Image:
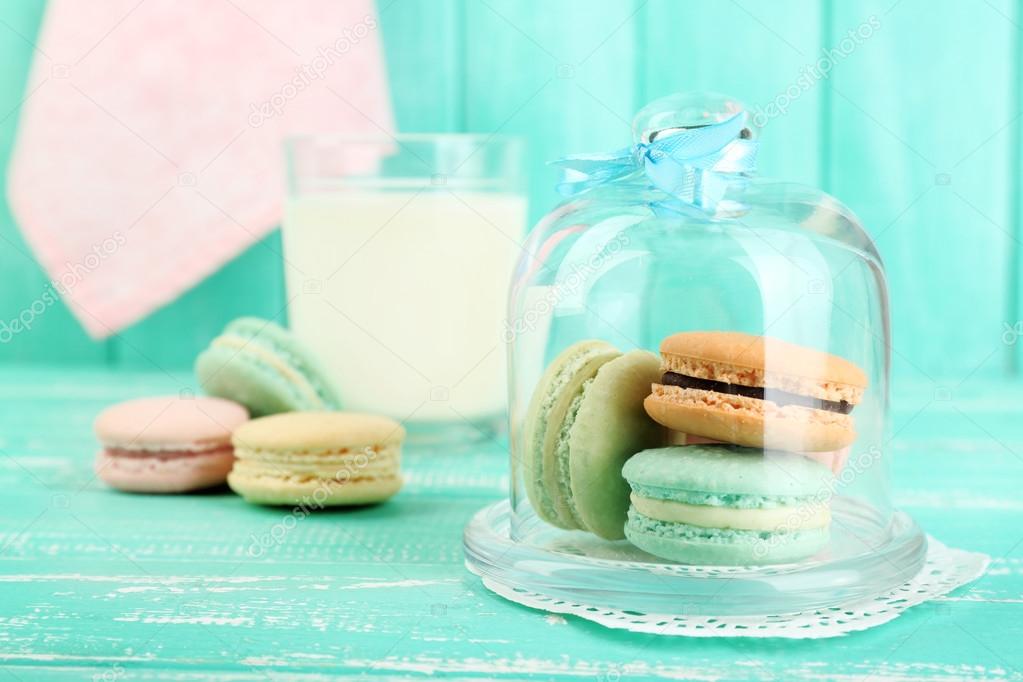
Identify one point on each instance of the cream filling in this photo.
(238, 343)
(799, 517)
(354, 463)
(341, 472)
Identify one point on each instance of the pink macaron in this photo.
(832, 459)
(167, 444)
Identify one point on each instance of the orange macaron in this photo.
(756, 391)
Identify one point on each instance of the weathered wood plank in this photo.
(424, 43)
(563, 78)
(206, 587)
(926, 160)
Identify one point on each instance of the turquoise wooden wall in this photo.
(917, 128)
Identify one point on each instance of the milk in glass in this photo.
(402, 295)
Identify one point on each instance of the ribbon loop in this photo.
(694, 165)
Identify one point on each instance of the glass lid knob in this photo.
(684, 111)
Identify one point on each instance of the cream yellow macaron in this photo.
(317, 459)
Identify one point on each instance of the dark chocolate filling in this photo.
(758, 392)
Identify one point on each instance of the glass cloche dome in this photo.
(699, 364)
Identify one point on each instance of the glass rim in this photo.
(427, 148)
(399, 138)
(384, 184)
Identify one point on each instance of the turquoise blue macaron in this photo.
(265, 368)
(728, 505)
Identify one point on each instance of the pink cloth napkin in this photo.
(150, 145)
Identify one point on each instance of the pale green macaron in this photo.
(728, 505)
(265, 368)
(585, 419)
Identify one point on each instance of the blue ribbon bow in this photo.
(695, 165)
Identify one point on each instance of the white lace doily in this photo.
(944, 570)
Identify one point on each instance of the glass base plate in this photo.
(580, 567)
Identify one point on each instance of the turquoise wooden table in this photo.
(100, 585)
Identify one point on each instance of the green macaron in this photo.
(263, 366)
(727, 505)
(585, 419)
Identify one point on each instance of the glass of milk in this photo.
(398, 256)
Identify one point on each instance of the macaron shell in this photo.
(283, 491)
(728, 470)
(283, 342)
(263, 366)
(763, 353)
(722, 548)
(748, 421)
(158, 475)
(537, 423)
(169, 423)
(235, 375)
(610, 427)
(552, 469)
(317, 430)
